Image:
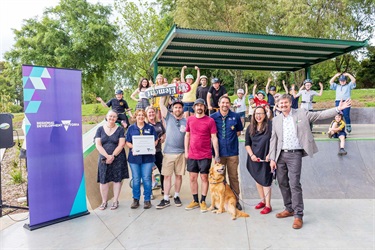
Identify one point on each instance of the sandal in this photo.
(103, 206)
(114, 205)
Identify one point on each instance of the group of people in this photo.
(200, 128)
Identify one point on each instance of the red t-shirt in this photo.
(200, 130)
(260, 102)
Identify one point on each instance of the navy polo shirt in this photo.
(271, 99)
(120, 106)
(227, 135)
(134, 130)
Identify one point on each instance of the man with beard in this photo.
(174, 158)
(200, 131)
(229, 127)
(291, 140)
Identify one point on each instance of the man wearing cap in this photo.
(202, 90)
(200, 135)
(174, 158)
(343, 92)
(215, 92)
(229, 127)
(291, 140)
(308, 95)
(259, 97)
(189, 97)
(120, 106)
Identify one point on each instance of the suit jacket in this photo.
(302, 119)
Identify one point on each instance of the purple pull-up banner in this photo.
(56, 184)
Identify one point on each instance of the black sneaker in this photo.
(177, 201)
(342, 152)
(163, 204)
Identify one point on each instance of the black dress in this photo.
(260, 144)
(118, 169)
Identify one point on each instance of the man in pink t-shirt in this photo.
(200, 131)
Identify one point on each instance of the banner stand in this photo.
(48, 223)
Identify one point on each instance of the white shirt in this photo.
(240, 105)
(290, 139)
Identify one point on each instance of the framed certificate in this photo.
(143, 145)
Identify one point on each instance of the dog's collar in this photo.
(223, 181)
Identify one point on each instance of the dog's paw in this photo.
(220, 211)
(211, 208)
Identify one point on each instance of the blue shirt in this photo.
(227, 134)
(343, 91)
(134, 130)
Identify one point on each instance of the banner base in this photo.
(48, 223)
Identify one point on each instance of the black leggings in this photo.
(159, 165)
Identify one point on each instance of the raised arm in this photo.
(321, 89)
(246, 90)
(163, 108)
(352, 79)
(102, 102)
(254, 89)
(285, 87)
(332, 81)
(182, 77)
(268, 84)
(198, 75)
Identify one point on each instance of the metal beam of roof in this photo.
(246, 51)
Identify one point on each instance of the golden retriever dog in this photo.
(222, 196)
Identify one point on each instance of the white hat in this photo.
(240, 91)
(203, 76)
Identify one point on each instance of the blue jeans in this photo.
(142, 171)
(346, 114)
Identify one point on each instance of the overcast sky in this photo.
(12, 12)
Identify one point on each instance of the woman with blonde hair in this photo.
(112, 164)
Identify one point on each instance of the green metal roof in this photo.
(246, 51)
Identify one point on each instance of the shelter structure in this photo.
(247, 51)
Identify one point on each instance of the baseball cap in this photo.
(199, 101)
(272, 88)
(119, 92)
(251, 97)
(342, 78)
(177, 101)
(240, 91)
(215, 80)
(203, 76)
(262, 92)
(189, 76)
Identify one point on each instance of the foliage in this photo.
(366, 73)
(74, 34)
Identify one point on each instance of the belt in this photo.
(291, 150)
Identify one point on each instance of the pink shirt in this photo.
(200, 130)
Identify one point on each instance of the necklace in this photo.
(110, 128)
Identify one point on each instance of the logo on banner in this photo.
(51, 124)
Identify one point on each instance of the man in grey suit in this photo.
(290, 141)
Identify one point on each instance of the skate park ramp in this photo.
(327, 175)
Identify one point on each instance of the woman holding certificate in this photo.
(141, 139)
(112, 166)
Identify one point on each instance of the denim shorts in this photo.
(188, 106)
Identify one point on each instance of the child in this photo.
(337, 130)
(259, 97)
(240, 104)
(276, 109)
(308, 94)
(252, 106)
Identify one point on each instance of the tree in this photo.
(366, 74)
(74, 34)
